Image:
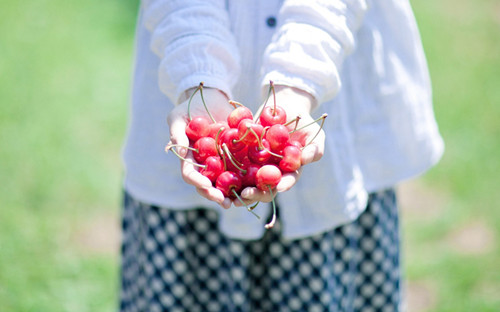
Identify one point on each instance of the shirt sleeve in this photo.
(194, 42)
(311, 42)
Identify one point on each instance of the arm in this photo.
(304, 59)
(312, 40)
(194, 42)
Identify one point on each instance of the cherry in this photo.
(268, 176)
(249, 132)
(237, 115)
(242, 156)
(204, 148)
(214, 128)
(259, 154)
(249, 177)
(278, 137)
(230, 138)
(227, 182)
(213, 168)
(272, 116)
(291, 159)
(276, 158)
(197, 128)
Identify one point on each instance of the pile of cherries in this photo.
(245, 150)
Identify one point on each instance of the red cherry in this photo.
(268, 176)
(291, 159)
(213, 168)
(275, 160)
(237, 115)
(278, 137)
(259, 155)
(205, 147)
(249, 177)
(227, 182)
(249, 132)
(272, 116)
(197, 128)
(242, 156)
(214, 128)
(230, 137)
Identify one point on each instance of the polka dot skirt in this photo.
(179, 261)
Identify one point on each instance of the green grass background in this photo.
(65, 69)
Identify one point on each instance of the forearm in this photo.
(194, 42)
(311, 43)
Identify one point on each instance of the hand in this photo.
(217, 103)
(295, 102)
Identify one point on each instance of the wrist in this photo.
(295, 99)
(208, 91)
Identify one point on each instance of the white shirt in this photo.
(362, 60)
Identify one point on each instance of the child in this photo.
(336, 244)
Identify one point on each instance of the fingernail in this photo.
(245, 193)
(226, 203)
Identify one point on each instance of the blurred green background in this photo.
(65, 71)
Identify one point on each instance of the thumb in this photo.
(311, 153)
(178, 135)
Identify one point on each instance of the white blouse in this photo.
(362, 60)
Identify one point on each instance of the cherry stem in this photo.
(255, 135)
(274, 97)
(261, 146)
(273, 219)
(253, 207)
(231, 158)
(218, 148)
(171, 148)
(217, 136)
(241, 200)
(265, 103)
(272, 153)
(224, 161)
(235, 104)
(243, 136)
(323, 117)
(296, 120)
(205, 104)
(191, 99)
(249, 130)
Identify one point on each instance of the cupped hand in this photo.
(295, 102)
(178, 119)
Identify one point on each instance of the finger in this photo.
(226, 204)
(178, 133)
(243, 202)
(254, 194)
(288, 180)
(311, 153)
(192, 176)
(212, 194)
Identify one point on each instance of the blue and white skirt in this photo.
(179, 261)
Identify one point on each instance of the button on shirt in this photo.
(271, 21)
(362, 60)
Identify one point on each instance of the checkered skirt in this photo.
(179, 261)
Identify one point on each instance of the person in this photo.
(335, 246)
